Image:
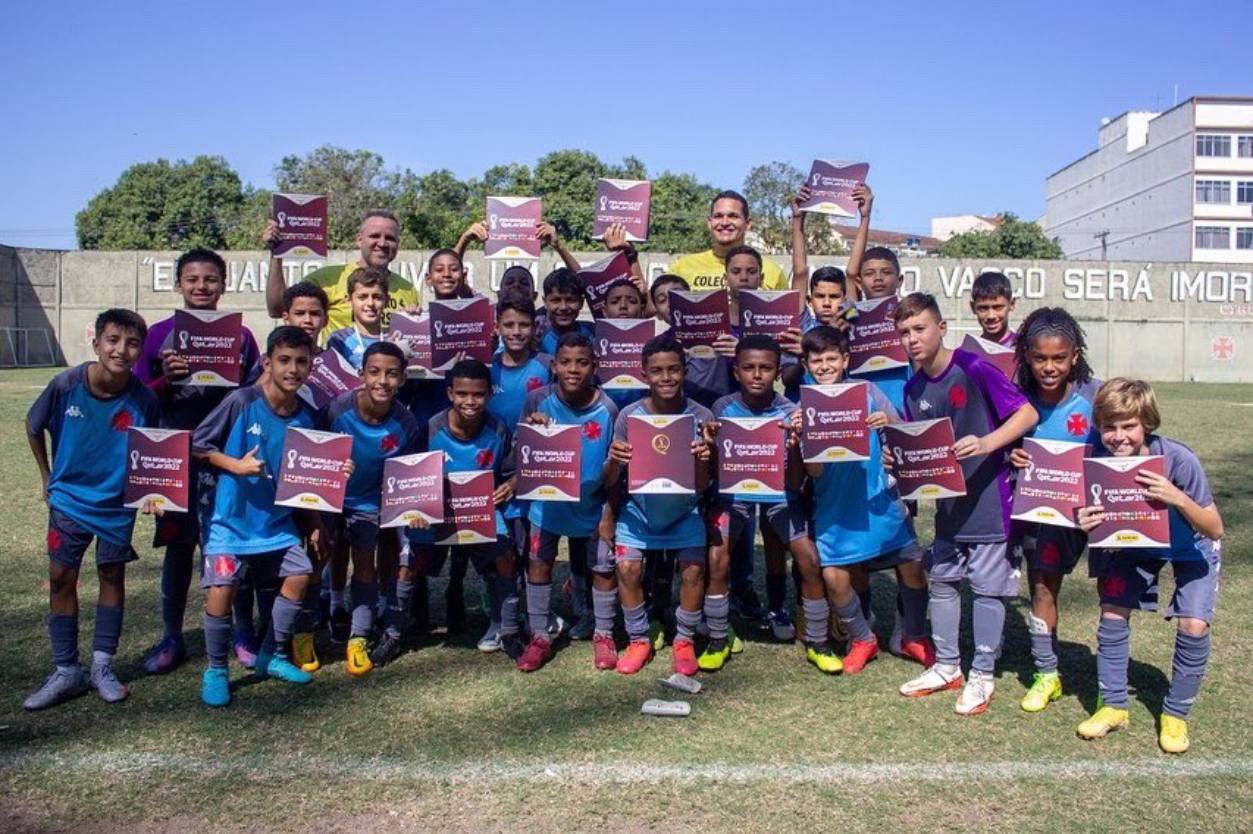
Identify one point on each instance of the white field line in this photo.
(125, 763)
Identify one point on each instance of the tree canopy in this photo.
(1014, 238)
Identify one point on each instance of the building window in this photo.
(1213, 145)
(1244, 148)
(1244, 192)
(1213, 191)
(1244, 237)
(1213, 237)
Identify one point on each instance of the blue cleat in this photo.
(215, 687)
(277, 666)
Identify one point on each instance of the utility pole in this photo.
(1102, 235)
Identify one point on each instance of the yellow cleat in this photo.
(358, 662)
(821, 656)
(1103, 722)
(303, 652)
(715, 655)
(734, 641)
(657, 634)
(1045, 689)
(1173, 737)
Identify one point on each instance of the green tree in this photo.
(680, 208)
(769, 190)
(353, 181)
(164, 205)
(434, 209)
(1014, 238)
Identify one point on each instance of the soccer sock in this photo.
(382, 593)
(605, 605)
(108, 629)
(63, 634)
(398, 602)
(308, 612)
(365, 596)
(337, 601)
(912, 611)
(717, 611)
(867, 606)
(988, 624)
(175, 580)
(685, 623)
(1042, 644)
(578, 594)
(217, 639)
(1186, 672)
(946, 618)
(506, 604)
(852, 618)
(776, 591)
(636, 619)
(282, 623)
(817, 613)
(539, 600)
(1113, 653)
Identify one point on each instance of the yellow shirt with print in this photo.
(706, 271)
(333, 279)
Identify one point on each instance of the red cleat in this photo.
(604, 652)
(921, 651)
(860, 652)
(636, 657)
(685, 657)
(537, 653)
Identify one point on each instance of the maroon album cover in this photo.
(413, 487)
(769, 312)
(1131, 518)
(752, 457)
(619, 346)
(661, 454)
(301, 220)
(469, 510)
(461, 325)
(413, 332)
(210, 342)
(698, 319)
(600, 276)
(311, 473)
(831, 185)
(834, 423)
(926, 466)
(625, 202)
(158, 468)
(999, 355)
(511, 228)
(550, 460)
(1050, 489)
(330, 375)
(873, 342)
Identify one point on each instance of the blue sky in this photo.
(958, 107)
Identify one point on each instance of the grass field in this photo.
(448, 738)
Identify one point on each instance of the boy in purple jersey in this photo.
(971, 531)
(200, 278)
(1053, 372)
(992, 302)
(1127, 417)
(86, 411)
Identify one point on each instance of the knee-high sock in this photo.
(365, 596)
(108, 631)
(946, 617)
(852, 618)
(1042, 642)
(1186, 672)
(505, 593)
(817, 615)
(636, 619)
(399, 601)
(63, 633)
(539, 601)
(605, 606)
(1113, 653)
(685, 623)
(913, 611)
(988, 626)
(717, 612)
(283, 614)
(175, 581)
(217, 639)
(867, 604)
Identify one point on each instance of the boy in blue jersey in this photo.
(367, 297)
(200, 278)
(1053, 372)
(305, 306)
(826, 291)
(784, 523)
(879, 276)
(471, 440)
(86, 411)
(971, 531)
(992, 301)
(250, 537)
(650, 526)
(1127, 417)
(625, 300)
(380, 428)
(573, 400)
(563, 301)
(860, 524)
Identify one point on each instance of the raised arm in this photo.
(865, 202)
(616, 241)
(800, 247)
(475, 231)
(276, 283)
(547, 234)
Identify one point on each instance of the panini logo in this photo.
(1127, 538)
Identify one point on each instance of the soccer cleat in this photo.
(104, 681)
(685, 657)
(341, 625)
(583, 629)
(604, 652)
(715, 655)
(64, 683)
(537, 653)
(357, 658)
(860, 652)
(748, 606)
(277, 666)
(1173, 737)
(215, 686)
(165, 656)
(657, 634)
(386, 649)
(781, 626)
(1045, 688)
(920, 651)
(490, 641)
(556, 625)
(822, 656)
(304, 654)
(938, 678)
(244, 655)
(1103, 722)
(733, 639)
(976, 694)
(511, 644)
(635, 658)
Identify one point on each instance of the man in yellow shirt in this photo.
(728, 223)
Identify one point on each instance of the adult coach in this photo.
(728, 223)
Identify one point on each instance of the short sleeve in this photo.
(1002, 395)
(211, 434)
(1184, 470)
(39, 417)
(620, 426)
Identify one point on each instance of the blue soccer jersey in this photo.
(660, 522)
(548, 337)
(1071, 418)
(511, 386)
(733, 405)
(372, 445)
(88, 477)
(491, 448)
(622, 397)
(858, 514)
(245, 520)
(576, 519)
(351, 344)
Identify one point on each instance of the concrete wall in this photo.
(1164, 321)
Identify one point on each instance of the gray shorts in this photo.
(687, 555)
(1130, 581)
(226, 570)
(991, 567)
(728, 519)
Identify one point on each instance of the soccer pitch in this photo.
(449, 738)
